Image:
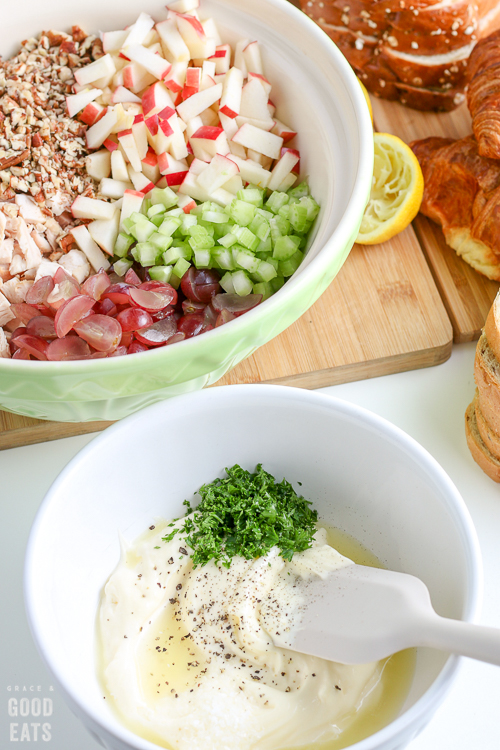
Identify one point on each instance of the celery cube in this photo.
(285, 247)
(276, 200)
(161, 273)
(158, 208)
(120, 267)
(266, 271)
(246, 260)
(165, 196)
(160, 241)
(227, 283)
(242, 213)
(122, 244)
(264, 288)
(289, 266)
(242, 284)
(180, 268)
(202, 258)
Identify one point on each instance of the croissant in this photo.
(483, 95)
(462, 195)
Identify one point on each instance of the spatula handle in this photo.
(476, 641)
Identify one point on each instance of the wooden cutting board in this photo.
(467, 295)
(382, 314)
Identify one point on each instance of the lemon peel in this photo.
(396, 193)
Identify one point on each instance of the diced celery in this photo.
(174, 280)
(146, 205)
(122, 244)
(214, 217)
(227, 283)
(242, 213)
(169, 225)
(264, 288)
(251, 195)
(298, 216)
(202, 258)
(288, 267)
(128, 224)
(175, 212)
(265, 246)
(161, 273)
(160, 241)
(200, 238)
(284, 211)
(143, 230)
(276, 200)
(266, 271)
(180, 268)
(188, 221)
(299, 191)
(228, 240)
(285, 247)
(158, 208)
(173, 254)
(246, 237)
(242, 284)
(165, 196)
(277, 283)
(265, 214)
(146, 253)
(120, 267)
(136, 216)
(223, 257)
(311, 205)
(246, 260)
(220, 230)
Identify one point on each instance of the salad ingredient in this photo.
(246, 514)
(396, 193)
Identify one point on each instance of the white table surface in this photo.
(429, 404)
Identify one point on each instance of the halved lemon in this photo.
(397, 190)
(367, 97)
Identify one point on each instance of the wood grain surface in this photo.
(467, 295)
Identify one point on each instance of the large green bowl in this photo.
(317, 93)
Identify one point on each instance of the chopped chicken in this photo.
(6, 313)
(16, 290)
(75, 262)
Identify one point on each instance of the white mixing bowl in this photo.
(364, 476)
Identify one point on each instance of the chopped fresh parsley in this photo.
(246, 514)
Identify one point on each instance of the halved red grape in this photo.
(235, 304)
(95, 285)
(200, 284)
(42, 326)
(61, 275)
(67, 348)
(169, 310)
(136, 347)
(24, 312)
(120, 351)
(118, 293)
(152, 284)
(158, 333)
(127, 338)
(71, 312)
(192, 325)
(176, 338)
(224, 317)
(21, 354)
(132, 278)
(192, 306)
(38, 293)
(152, 301)
(100, 331)
(134, 318)
(34, 345)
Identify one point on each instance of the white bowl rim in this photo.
(339, 237)
(436, 693)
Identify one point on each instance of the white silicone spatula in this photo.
(360, 614)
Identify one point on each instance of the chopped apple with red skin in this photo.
(254, 101)
(231, 128)
(153, 63)
(271, 107)
(131, 203)
(211, 140)
(139, 181)
(110, 188)
(264, 161)
(112, 41)
(173, 169)
(176, 78)
(110, 144)
(105, 231)
(136, 78)
(140, 135)
(259, 140)
(102, 67)
(251, 172)
(197, 42)
(290, 158)
(150, 166)
(121, 95)
(218, 172)
(234, 184)
(91, 208)
(222, 58)
(97, 134)
(98, 164)
(193, 78)
(209, 118)
(155, 99)
(127, 141)
(252, 57)
(211, 31)
(183, 6)
(125, 119)
(284, 131)
(230, 100)
(76, 102)
(186, 203)
(138, 32)
(198, 102)
(296, 155)
(287, 183)
(118, 166)
(152, 39)
(88, 246)
(92, 113)
(239, 59)
(178, 146)
(173, 45)
(206, 82)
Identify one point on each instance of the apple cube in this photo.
(138, 32)
(110, 144)
(92, 113)
(206, 81)
(254, 101)
(140, 181)
(77, 102)
(264, 161)
(259, 140)
(127, 142)
(198, 102)
(112, 41)
(102, 67)
(211, 140)
(234, 184)
(98, 164)
(230, 100)
(174, 170)
(125, 119)
(193, 34)
(105, 231)
(136, 78)
(218, 172)
(193, 79)
(114, 189)
(122, 95)
(208, 68)
(186, 203)
(284, 131)
(222, 58)
(175, 80)
(97, 134)
(118, 166)
(174, 46)
(140, 135)
(154, 64)
(251, 172)
(239, 59)
(253, 60)
(89, 248)
(131, 203)
(209, 118)
(262, 80)
(262, 124)
(211, 30)
(183, 6)
(91, 208)
(155, 99)
(150, 166)
(287, 183)
(231, 128)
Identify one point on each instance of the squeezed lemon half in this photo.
(396, 193)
